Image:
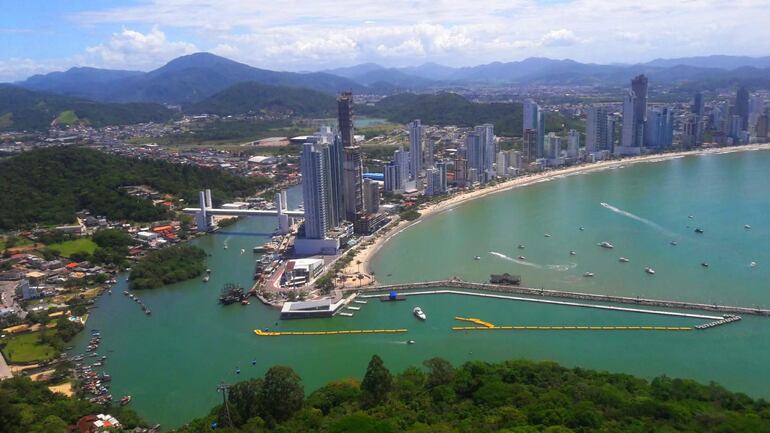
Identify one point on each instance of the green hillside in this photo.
(24, 110)
(48, 186)
(254, 97)
(452, 109)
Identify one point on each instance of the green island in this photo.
(167, 266)
(508, 397)
(48, 186)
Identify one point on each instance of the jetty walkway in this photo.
(550, 293)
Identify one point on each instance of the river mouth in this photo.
(190, 343)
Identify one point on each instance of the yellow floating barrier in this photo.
(476, 321)
(572, 328)
(262, 333)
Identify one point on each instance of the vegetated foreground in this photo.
(513, 396)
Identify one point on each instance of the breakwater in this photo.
(551, 293)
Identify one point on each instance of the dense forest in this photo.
(167, 266)
(255, 97)
(22, 109)
(29, 407)
(48, 186)
(509, 397)
(452, 109)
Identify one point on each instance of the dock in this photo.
(549, 293)
(262, 333)
(346, 314)
(350, 307)
(360, 302)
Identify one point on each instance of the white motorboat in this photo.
(477, 258)
(206, 279)
(649, 270)
(606, 244)
(572, 253)
(548, 235)
(752, 264)
(521, 258)
(588, 274)
(673, 243)
(623, 260)
(747, 227)
(419, 313)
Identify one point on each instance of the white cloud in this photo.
(136, 50)
(315, 34)
(13, 69)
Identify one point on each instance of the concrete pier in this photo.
(546, 293)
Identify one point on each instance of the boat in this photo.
(410, 342)
(572, 253)
(225, 245)
(125, 292)
(521, 247)
(649, 270)
(699, 230)
(125, 400)
(548, 235)
(231, 293)
(208, 271)
(148, 312)
(419, 313)
(747, 227)
(206, 279)
(521, 258)
(705, 265)
(242, 251)
(245, 302)
(690, 216)
(605, 244)
(588, 274)
(110, 292)
(477, 258)
(673, 243)
(623, 260)
(237, 371)
(752, 264)
(581, 229)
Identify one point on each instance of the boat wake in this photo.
(645, 221)
(559, 268)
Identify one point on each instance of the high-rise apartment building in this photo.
(415, 148)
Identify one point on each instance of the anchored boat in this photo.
(419, 313)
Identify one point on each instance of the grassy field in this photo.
(68, 248)
(28, 348)
(67, 117)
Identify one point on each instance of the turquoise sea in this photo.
(172, 361)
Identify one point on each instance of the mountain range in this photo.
(193, 78)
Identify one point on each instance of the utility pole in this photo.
(223, 387)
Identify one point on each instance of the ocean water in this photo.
(172, 361)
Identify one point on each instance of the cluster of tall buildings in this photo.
(337, 198)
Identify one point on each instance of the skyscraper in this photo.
(552, 146)
(401, 158)
(415, 148)
(659, 129)
(345, 118)
(573, 144)
(530, 145)
(698, 107)
(634, 117)
(639, 86)
(487, 134)
(474, 148)
(315, 189)
(742, 107)
(501, 166)
(597, 137)
(352, 191)
(352, 168)
(336, 203)
(533, 119)
(393, 180)
(371, 196)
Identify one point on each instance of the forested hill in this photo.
(25, 110)
(479, 397)
(255, 97)
(48, 186)
(453, 109)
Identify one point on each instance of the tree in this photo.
(377, 382)
(282, 393)
(440, 372)
(245, 399)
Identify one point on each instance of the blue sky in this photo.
(40, 36)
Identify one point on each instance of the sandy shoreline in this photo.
(365, 255)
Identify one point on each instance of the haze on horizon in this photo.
(42, 36)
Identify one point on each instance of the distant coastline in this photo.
(365, 255)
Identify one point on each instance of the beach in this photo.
(362, 260)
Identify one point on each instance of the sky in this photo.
(38, 36)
